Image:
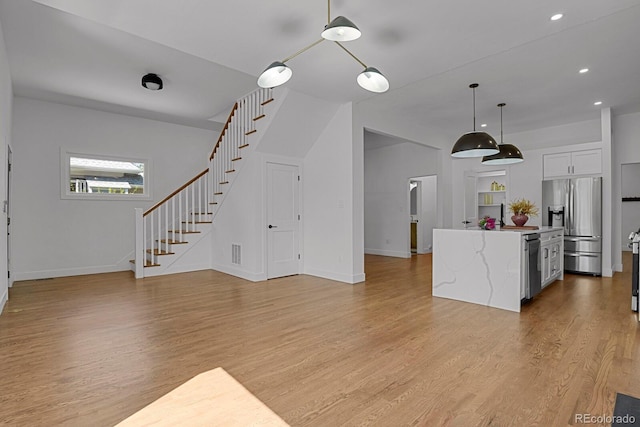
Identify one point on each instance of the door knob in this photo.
(273, 226)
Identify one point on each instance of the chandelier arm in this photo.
(351, 54)
(303, 50)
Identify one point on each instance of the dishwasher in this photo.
(532, 276)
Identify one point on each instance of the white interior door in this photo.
(283, 220)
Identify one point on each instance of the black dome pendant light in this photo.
(475, 144)
(509, 153)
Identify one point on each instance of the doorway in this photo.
(422, 213)
(630, 189)
(283, 220)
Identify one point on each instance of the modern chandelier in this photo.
(338, 30)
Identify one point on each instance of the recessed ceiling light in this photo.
(597, 103)
(584, 70)
(484, 125)
(557, 16)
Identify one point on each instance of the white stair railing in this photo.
(170, 221)
(234, 137)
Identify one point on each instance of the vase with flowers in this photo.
(487, 223)
(522, 209)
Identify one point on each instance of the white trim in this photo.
(3, 300)
(340, 277)
(65, 194)
(617, 268)
(65, 272)
(397, 254)
(253, 277)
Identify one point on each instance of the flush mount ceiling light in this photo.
(556, 17)
(509, 153)
(337, 30)
(475, 144)
(152, 81)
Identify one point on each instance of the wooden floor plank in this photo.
(92, 350)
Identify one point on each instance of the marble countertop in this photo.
(542, 229)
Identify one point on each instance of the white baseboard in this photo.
(339, 277)
(607, 272)
(3, 300)
(234, 271)
(383, 252)
(64, 272)
(617, 268)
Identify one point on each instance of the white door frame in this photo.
(288, 161)
(422, 221)
(7, 210)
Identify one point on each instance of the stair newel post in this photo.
(166, 226)
(139, 244)
(172, 221)
(191, 219)
(175, 225)
(158, 215)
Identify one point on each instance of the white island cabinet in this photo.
(484, 267)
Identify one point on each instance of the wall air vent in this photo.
(235, 254)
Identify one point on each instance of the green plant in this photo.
(523, 207)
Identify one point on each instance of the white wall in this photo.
(332, 248)
(241, 221)
(429, 213)
(53, 237)
(626, 149)
(630, 210)
(6, 101)
(386, 194)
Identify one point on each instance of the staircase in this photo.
(171, 235)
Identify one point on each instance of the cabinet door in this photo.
(558, 164)
(545, 261)
(588, 162)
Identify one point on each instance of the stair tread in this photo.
(230, 170)
(160, 252)
(147, 263)
(261, 116)
(267, 101)
(183, 232)
(250, 132)
(243, 146)
(213, 203)
(173, 242)
(197, 222)
(201, 213)
(218, 193)
(224, 182)
(236, 159)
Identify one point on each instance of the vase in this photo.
(519, 219)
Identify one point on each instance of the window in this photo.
(100, 177)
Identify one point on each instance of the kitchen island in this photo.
(487, 267)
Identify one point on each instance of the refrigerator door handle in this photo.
(582, 239)
(582, 254)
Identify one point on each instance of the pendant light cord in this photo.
(328, 12)
(501, 123)
(474, 108)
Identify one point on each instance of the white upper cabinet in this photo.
(586, 162)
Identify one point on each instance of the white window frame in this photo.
(65, 176)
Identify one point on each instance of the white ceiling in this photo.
(93, 53)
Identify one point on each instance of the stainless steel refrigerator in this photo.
(576, 205)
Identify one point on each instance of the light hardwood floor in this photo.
(92, 350)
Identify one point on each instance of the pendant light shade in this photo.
(475, 144)
(372, 80)
(275, 74)
(152, 81)
(509, 154)
(341, 30)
